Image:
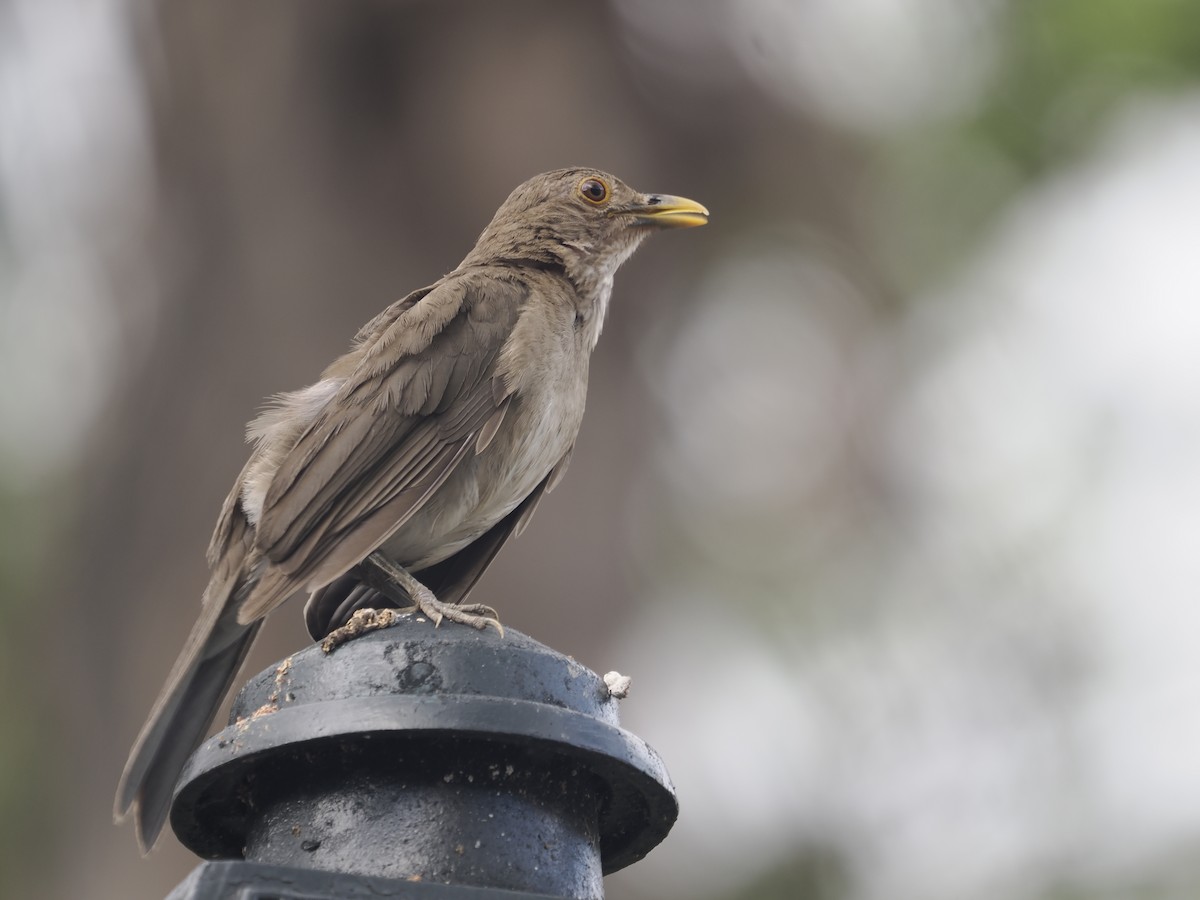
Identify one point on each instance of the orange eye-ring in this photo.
(593, 190)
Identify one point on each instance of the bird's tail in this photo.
(187, 705)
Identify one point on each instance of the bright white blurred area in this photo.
(73, 171)
(870, 65)
(1014, 699)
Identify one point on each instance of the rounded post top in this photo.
(414, 689)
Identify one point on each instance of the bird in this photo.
(403, 470)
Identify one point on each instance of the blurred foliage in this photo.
(28, 744)
(1061, 66)
(808, 873)
(1065, 64)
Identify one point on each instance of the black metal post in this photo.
(421, 762)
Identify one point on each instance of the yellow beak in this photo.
(665, 211)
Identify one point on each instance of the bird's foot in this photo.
(385, 575)
(477, 615)
(360, 623)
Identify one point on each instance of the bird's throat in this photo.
(592, 274)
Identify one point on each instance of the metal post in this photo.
(421, 762)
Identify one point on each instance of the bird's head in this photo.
(585, 220)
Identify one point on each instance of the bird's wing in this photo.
(418, 396)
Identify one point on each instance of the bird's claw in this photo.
(477, 615)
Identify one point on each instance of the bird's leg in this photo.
(402, 588)
(376, 573)
(398, 585)
(477, 615)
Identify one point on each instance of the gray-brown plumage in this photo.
(419, 452)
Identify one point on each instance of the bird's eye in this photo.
(593, 190)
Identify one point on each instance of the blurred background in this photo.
(888, 493)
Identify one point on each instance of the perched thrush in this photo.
(415, 456)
